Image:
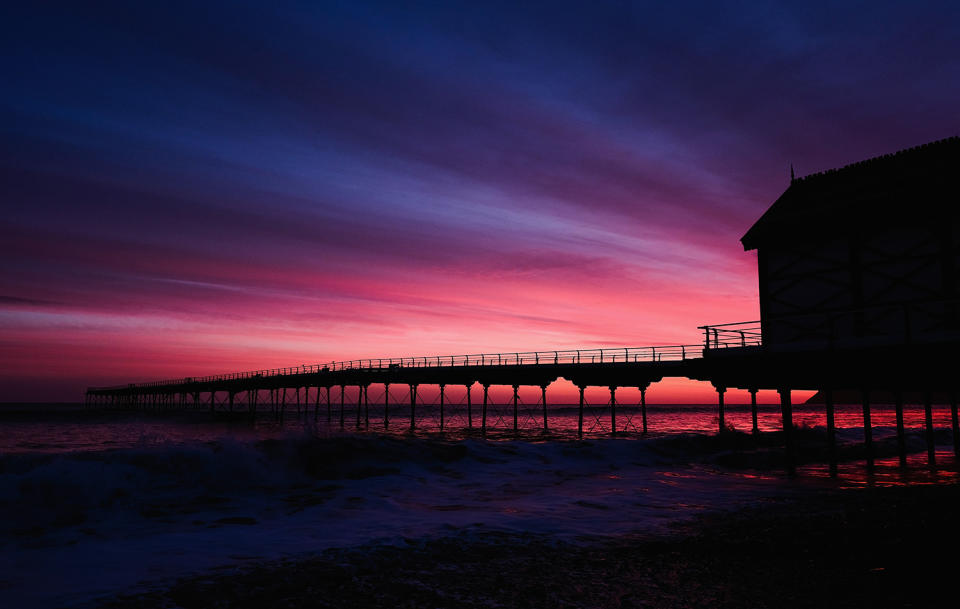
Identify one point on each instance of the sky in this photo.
(192, 188)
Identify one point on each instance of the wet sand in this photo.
(875, 547)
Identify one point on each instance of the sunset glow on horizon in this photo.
(194, 190)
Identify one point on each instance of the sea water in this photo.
(94, 503)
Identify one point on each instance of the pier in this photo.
(858, 271)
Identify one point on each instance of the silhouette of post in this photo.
(543, 399)
(413, 407)
(469, 408)
(786, 413)
(483, 419)
(867, 428)
(720, 414)
(613, 411)
(386, 405)
(516, 388)
(643, 407)
(831, 431)
(955, 424)
(359, 404)
(901, 436)
(580, 417)
(755, 429)
(442, 387)
(928, 419)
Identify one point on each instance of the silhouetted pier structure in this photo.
(326, 385)
(858, 273)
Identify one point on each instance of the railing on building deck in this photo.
(573, 356)
(738, 334)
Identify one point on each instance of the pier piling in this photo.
(543, 400)
(442, 388)
(955, 424)
(720, 410)
(469, 408)
(901, 436)
(643, 407)
(483, 420)
(613, 411)
(867, 429)
(580, 417)
(928, 420)
(413, 407)
(786, 413)
(831, 431)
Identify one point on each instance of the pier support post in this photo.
(483, 419)
(928, 419)
(786, 412)
(580, 414)
(867, 429)
(613, 411)
(298, 402)
(283, 405)
(366, 407)
(901, 436)
(955, 424)
(721, 419)
(386, 405)
(543, 400)
(831, 431)
(643, 407)
(755, 429)
(515, 410)
(252, 399)
(442, 390)
(343, 391)
(413, 407)
(316, 406)
(469, 408)
(329, 407)
(359, 404)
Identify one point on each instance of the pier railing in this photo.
(658, 353)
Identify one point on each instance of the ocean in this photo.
(94, 504)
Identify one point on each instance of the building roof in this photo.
(863, 192)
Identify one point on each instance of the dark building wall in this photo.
(887, 285)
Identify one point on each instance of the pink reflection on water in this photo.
(888, 472)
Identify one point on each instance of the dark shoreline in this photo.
(831, 548)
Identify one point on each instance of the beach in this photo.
(833, 548)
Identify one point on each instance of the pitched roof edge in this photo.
(883, 157)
